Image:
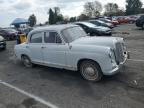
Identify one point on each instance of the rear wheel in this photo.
(26, 61)
(90, 71)
(4, 48)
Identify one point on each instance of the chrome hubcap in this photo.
(26, 61)
(89, 71)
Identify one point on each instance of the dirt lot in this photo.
(67, 89)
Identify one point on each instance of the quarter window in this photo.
(36, 38)
(52, 37)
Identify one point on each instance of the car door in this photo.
(35, 47)
(54, 51)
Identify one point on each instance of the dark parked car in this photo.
(132, 19)
(140, 22)
(94, 30)
(114, 22)
(9, 34)
(102, 23)
(2, 43)
(122, 19)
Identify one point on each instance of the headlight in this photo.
(102, 30)
(112, 56)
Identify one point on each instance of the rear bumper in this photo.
(2, 44)
(118, 67)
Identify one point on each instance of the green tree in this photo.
(92, 9)
(72, 19)
(32, 20)
(83, 17)
(59, 18)
(51, 17)
(55, 15)
(111, 9)
(133, 7)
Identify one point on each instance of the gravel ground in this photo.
(67, 89)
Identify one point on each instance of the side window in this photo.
(36, 38)
(52, 37)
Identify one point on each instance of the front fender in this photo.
(21, 50)
(95, 53)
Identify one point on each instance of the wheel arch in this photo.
(24, 55)
(86, 59)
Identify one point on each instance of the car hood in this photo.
(109, 24)
(101, 28)
(101, 41)
(1, 38)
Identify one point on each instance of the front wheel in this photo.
(26, 61)
(90, 71)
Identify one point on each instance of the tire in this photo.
(4, 48)
(143, 26)
(26, 61)
(90, 71)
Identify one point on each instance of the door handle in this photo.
(43, 47)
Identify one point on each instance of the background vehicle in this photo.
(114, 22)
(9, 34)
(101, 23)
(122, 19)
(140, 22)
(2, 43)
(69, 47)
(94, 30)
(132, 19)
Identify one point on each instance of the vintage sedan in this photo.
(69, 47)
(2, 43)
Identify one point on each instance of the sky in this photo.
(11, 9)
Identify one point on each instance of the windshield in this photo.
(100, 21)
(73, 33)
(89, 24)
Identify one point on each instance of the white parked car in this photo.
(69, 47)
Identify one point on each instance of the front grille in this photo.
(1, 42)
(119, 52)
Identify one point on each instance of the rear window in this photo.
(36, 38)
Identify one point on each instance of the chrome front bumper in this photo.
(118, 67)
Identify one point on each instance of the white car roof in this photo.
(57, 28)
